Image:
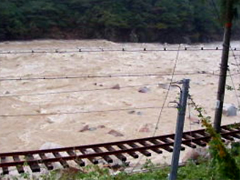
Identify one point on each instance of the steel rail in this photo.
(36, 159)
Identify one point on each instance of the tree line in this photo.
(172, 21)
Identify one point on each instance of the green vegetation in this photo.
(223, 160)
(118, 20)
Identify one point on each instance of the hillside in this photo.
(172, 21)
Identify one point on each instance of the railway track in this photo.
(106, 151)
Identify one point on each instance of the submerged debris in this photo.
(84, 128)
(144, 90)
(146, 128)
(117, 86)
(115, 133)
(229, 110)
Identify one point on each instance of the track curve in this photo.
(121, 150)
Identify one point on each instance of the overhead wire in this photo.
(234, 88)
(77, 112)
(103, 76)
(82, 90)
(99, 49)
(231, 76)
(163, 105)
(167, 93)
(235, 58)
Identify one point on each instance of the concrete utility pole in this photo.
(179, 128)
(224, 65)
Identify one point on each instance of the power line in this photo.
(235, 58)
(237, 64)
(78, 112)
(234, 74)
(103, 76)
(168, 90)
(235, 91)
(81, 90)
(163, 105)
(99, 49)
(98, 89)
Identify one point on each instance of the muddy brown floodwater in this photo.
(94, 107)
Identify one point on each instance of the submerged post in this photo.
(179, 128)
